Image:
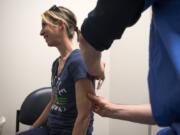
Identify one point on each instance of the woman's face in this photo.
(51, 33)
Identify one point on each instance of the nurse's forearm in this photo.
(134, 113)
(92, 58)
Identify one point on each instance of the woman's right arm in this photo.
(43, 117)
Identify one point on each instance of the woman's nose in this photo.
(42, 32)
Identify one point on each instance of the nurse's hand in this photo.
(102, 106)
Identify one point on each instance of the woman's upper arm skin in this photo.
(83, 87)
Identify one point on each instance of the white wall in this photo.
(25, 58)
(128, 73)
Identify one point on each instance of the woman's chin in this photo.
(50, 44)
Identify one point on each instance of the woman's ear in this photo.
(61, 24)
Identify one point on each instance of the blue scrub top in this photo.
(164, 61)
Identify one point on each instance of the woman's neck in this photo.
(65, 54)
(65, 49)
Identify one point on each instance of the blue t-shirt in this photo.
(63, 113)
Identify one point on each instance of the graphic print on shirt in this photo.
(60, 94)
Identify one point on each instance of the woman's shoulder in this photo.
(75, 56)
(76, 60)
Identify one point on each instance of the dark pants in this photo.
(173, 130)
(166, 131)
(35, 131)
(45, 131)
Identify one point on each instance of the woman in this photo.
(69, 110)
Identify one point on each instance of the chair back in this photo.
(32, 106)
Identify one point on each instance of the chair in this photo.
(32, 106)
